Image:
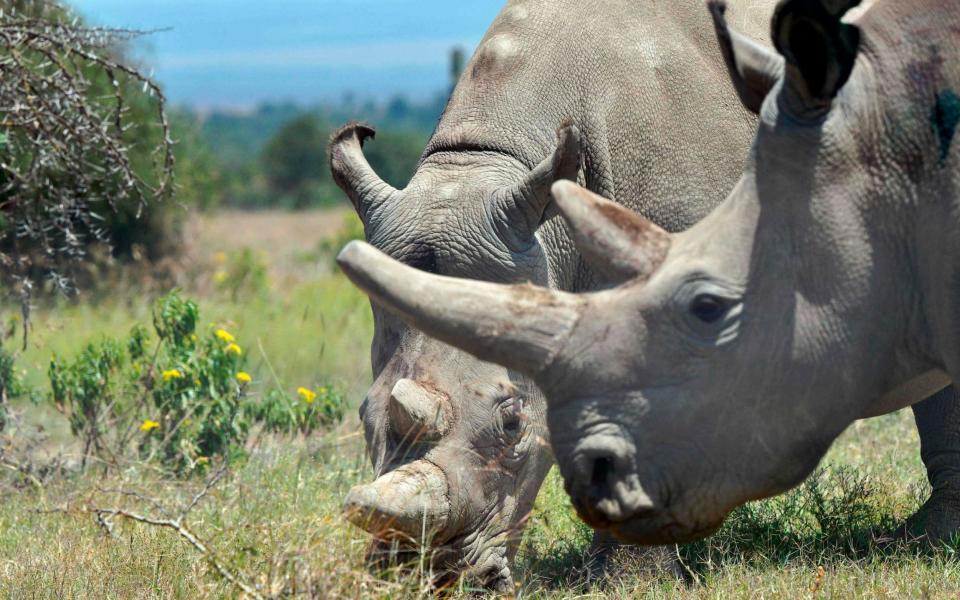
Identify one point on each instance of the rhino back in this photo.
(664, 132)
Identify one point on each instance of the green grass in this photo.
(275, 520)
(317, 331)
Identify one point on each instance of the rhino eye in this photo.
(709, 308)
(511, 416)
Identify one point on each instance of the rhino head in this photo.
(458, 445)
(730, 356)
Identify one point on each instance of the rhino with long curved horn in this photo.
(731, 355)
(594, 92)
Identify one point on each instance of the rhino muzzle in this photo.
(411, 501)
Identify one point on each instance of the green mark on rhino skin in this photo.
(946, 117)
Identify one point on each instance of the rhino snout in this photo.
(604, 484)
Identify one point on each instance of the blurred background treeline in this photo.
(274, 155)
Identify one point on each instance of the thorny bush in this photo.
(85, 141)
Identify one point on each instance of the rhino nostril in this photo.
(603, 467)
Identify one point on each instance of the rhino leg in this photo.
(938, 419)
(607, 557)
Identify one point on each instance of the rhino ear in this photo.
(753, 68)
(518, 210)
(614, 240)
(819, 49)
(353, 173)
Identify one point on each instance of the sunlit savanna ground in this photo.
(275, 520)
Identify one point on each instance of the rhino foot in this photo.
(607, 557)
(936, 522)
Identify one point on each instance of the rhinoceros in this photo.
(459, 446)
(824, 289)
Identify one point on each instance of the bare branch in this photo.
(181, 529)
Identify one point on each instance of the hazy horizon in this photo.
(235, 54)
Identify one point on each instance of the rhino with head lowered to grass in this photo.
(824, 289)
(459, 446)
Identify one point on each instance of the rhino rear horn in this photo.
(518, 210)
(753, 69)
(353, 174)
(614, 240)
(520, 326)
(418, 413)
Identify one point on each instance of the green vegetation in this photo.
(275, 157)
(175, 396)
(273, 520)
(151, 449)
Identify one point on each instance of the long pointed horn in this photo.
(411, 500)
(753, 68)
(521, 326)
(614, 240)
(518, 210)
(353, 173)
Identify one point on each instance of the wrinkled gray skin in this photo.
(824, 289)
(461, 445)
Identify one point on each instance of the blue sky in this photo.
(236, 53)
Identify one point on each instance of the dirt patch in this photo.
(282, 238)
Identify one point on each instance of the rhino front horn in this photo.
(521, 327)
(411, 501)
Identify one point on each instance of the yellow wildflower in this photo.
(233, 349)
(172, 374)
(322, 391)
(308, 395)
(148, 425)
(219, 276)
(244, 377)
(220, 257)
(225, 336)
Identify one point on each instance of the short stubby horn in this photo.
(519, 326)
(418, 413)
(411, 501)
(353, 173)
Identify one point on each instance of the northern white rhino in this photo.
(459, 446)
(824, 289)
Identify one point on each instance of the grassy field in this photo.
(274, 522)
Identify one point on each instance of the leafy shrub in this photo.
(176, 395)
(312, 410)
(11, 385)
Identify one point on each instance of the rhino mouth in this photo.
(663, 527)
(477, 556)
